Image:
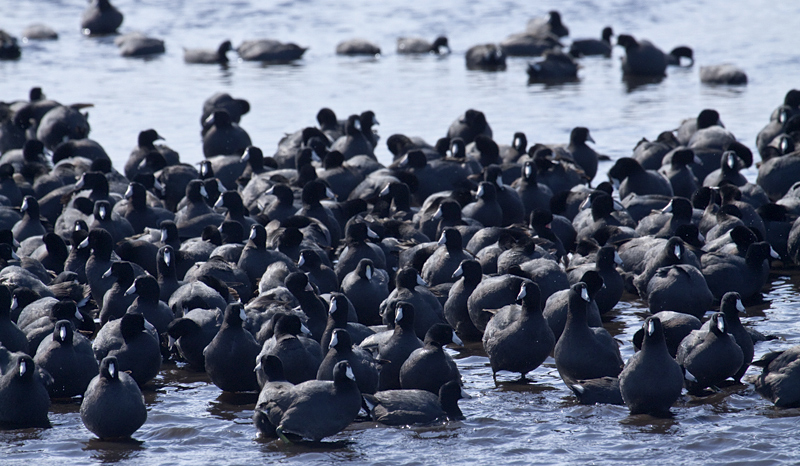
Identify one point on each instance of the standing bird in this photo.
(651, 380)
(710, 357)
(113, 406)
(517, 338)
(583, 352)
(430, 367)
(24, 401)
(231, 355)
(224, 137)
(67, 356)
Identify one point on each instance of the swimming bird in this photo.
(357, 47)
(417, 45)
(588, 47)
(205, 56)
(407, 407)
(317, 408)
(270, 50)
(100, 17)
(779, 377)
(487, 57)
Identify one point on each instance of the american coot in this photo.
(534, 195)
(11, 337)
(651, 381)
(206, 56)
(148, 304)
(167, 274)
(67, 356)
(492, 293)
(730, 307)
(301, 354)
(778, 380)
(410, 287)
(322, 276)
(225, 137)
(680, 288)
(629, 176)
(364, 367)
(725, 73)
(99, 262)
(366, 287)
(270, 50)
(135, 346)
(317, 408)
(486, 209)
(605, 265)
(338, 313)
(469, 125)
(524, 44)
(42, 327)
(467, 275)
(583, 352)
(710, 357)
(356, 248)
(357, 47)
(588, 47)
(650, 154)
(394, 351)
(556, 308)
(418, 45)
(430, 367)
(353, 142)
(444, 261)
(555, 66)
(113, 406)
(642, 58)
(191, 333)
(675, 326)
(29, 225)
(488, 57)
(745, 275)
(604, 390)
(231, 356)
(271, 387)
(100, 17)
(115, 300)
(136, 44)
(24, 401)
(517, 338)
(405, 407)
(311, 304)
(680, 176)
(550, 24)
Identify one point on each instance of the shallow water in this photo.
(190, 422)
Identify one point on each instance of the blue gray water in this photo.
(189, 421)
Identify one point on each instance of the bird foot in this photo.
(281, 435)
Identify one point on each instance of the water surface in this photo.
(191, 422)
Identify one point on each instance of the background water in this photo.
(190, 422)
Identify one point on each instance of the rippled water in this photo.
(190, 422)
